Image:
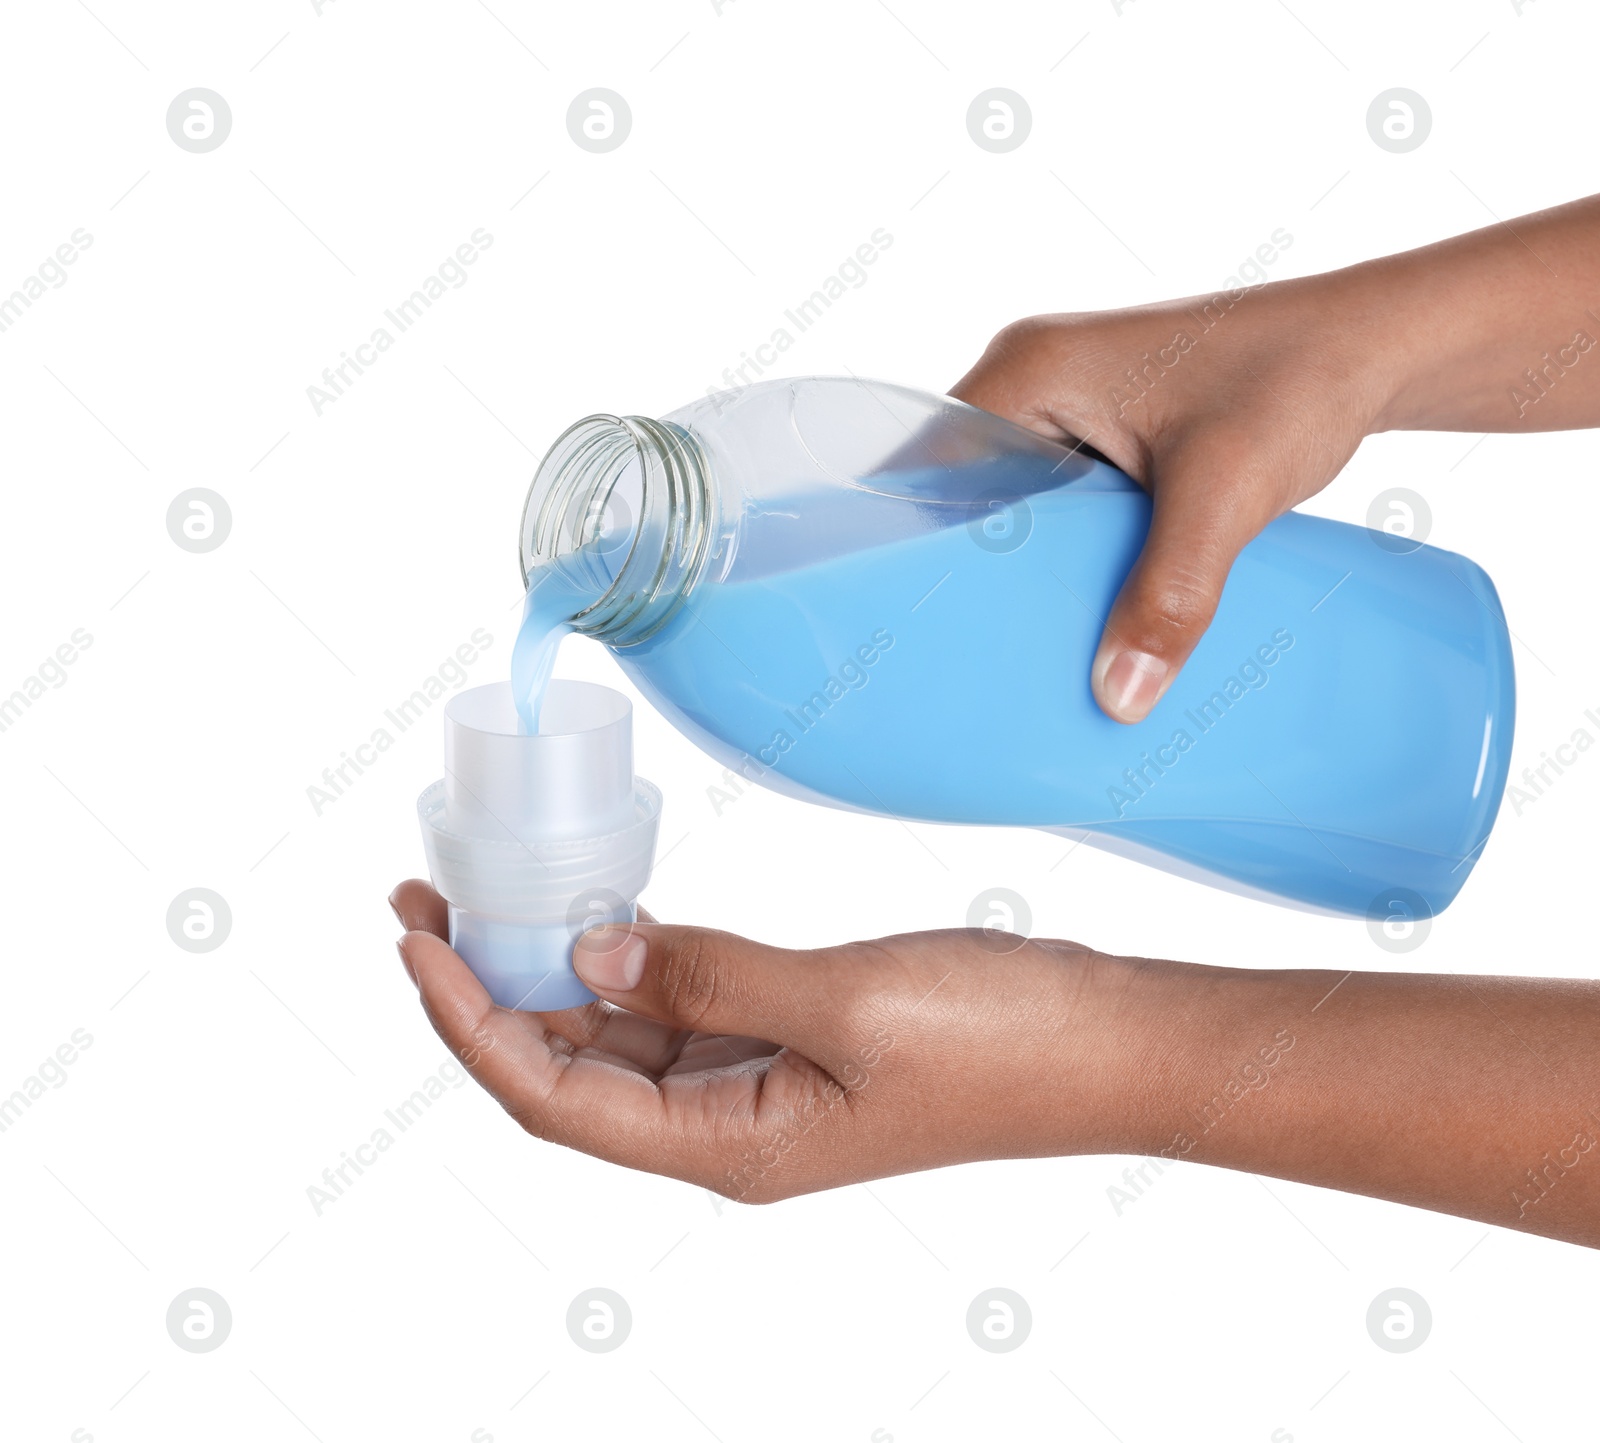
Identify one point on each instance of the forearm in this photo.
(1475, 1096)
(1496, 330)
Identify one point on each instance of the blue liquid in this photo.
(1342, 732)
(556, 593)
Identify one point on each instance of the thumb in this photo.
(706, 981)
(1203, 515)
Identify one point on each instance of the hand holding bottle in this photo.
(1233, 408)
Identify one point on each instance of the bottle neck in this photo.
(625, 502)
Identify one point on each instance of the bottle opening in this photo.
(621, 506)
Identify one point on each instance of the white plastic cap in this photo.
(533, 839)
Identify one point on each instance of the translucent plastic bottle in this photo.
(866, 596)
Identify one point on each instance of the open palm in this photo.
(760, 1072)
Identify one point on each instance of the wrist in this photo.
(1186, 1050)
(1359, 333)
(1131, 1024)
(1399, 332)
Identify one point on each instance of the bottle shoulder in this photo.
(808, 468)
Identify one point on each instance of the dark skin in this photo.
(1271, 401)
(763, 1073)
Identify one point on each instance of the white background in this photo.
(368, 543)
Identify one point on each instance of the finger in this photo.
(578, 1101)
(651, 1048)
(1010, 378)
(602, 1030)
(420, 908)
(715, 982)
(706, 1051)
(1203, 514)
(598, 1028)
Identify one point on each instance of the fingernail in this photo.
(1132, 683)
(405, 961)
(610, 959)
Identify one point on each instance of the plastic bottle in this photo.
(870, 597)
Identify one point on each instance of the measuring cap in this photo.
(535, 838)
